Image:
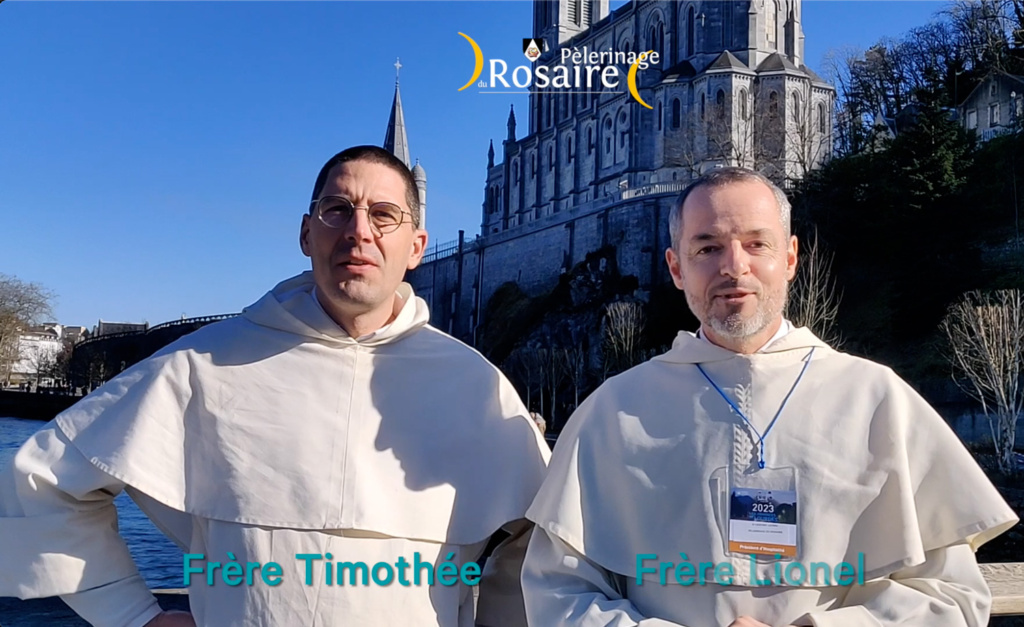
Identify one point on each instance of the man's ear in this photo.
(304, 236)
(791, 257)
(674, 268)
(419, 246)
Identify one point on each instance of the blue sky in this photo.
(156, 157)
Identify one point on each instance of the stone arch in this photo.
(654, 32)
(607, 141)
(622, 131)
(625, 43)
(495, 199)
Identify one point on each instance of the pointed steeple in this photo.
(490, 155)
(395, 140)
(511, 124)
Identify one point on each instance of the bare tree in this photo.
(574, 365)
(808, 132)
(983, 30)
(986, 337)
(554, 376)
(838, 65)
(44, 363)
(526, 366)
(746, 131)
(21, 306)
(813, 296)
(623, 329)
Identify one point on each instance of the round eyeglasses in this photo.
(336, 212)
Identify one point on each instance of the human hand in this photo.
(172, 619)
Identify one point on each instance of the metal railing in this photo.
(163, 325)
(653, 188)
(203, 319)
(445, 249)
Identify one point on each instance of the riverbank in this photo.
(34, 406)
(54, 613)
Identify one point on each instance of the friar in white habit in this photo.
(753, 476)
(346, 459)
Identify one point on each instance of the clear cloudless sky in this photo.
(156, 157)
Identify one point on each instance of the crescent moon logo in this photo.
(631, 79)
(479, 56)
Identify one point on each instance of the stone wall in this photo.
(535, 258)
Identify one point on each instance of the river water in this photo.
(159, 559)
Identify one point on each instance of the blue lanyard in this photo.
(760, 438)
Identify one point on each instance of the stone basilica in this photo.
(597, 170)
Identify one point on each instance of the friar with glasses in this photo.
(328, 429)
(753, 476)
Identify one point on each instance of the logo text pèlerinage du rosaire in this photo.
(579, 70)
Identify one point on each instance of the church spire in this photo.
(490, 155)
(511, 124)
(395, 140)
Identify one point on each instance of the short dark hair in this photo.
(720, 177)
(373, 154)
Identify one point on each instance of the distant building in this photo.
(598, 171)
(110, 328)
(995, 106)
(38, 349)
(73, 335)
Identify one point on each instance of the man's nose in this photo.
(735, 260)
(359, 228)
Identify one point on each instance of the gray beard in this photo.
(734, 325)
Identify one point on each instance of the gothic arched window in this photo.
(771, 24)
(796, 107)
(773, 104)
(702, 106)
(743, 104)
(660, 114)
(656, 38)
(821, 118)
(515, 172)
(691, 32)
(677, 113)
(568, 148)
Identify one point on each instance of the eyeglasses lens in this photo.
(336, 211)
